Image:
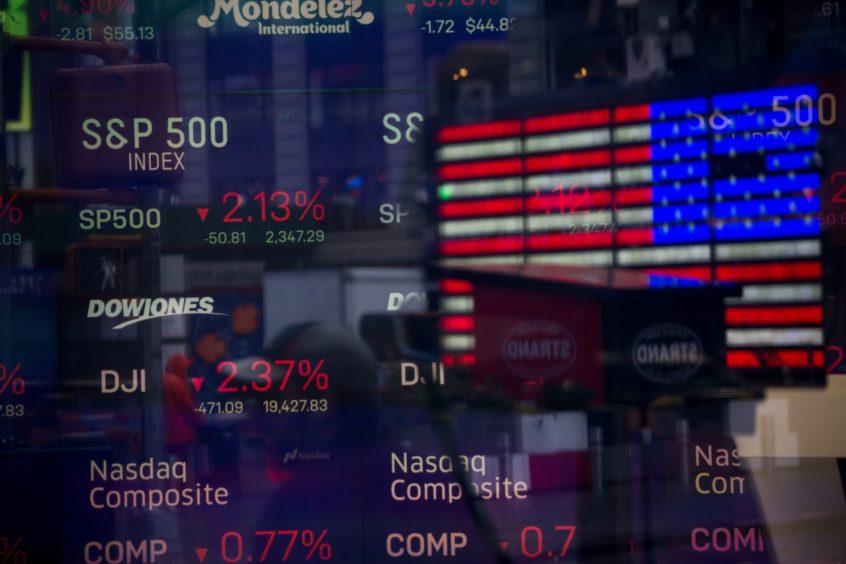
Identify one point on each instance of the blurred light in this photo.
(496, 259)
(777, 337)
(569, 241)
(557, 221)
(458, 342)
(583, 258)
(355, 181)
(634, 195)
(693, 272)
(572, 120)
(774, 358)
(457, 304)
(562, 141)
(481, 207)
(452, 286)
(457, 323)
(575, 201)
(492, 226)
(568, 160)
(477, 188)
(479, 149)
(501, 167)
(640, 112)
(635, 236)
(779, 293)
(769, 272)
(780, 249)
(784, 315)
(767, 229)
(634, 216)
(479, 246)
(763, 98)
(478, 131)
(679, 254)
(586, 178)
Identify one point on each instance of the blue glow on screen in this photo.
(688, 233)
(772, 206)
(762, 141)
(789, 161)
(763, 98)
(669, 214)
(681, 193)
(767, 229)
(678, 108)
(683, 149)
(680, 171)
(761, 121)
(691, 127)
(661, 281)
(766, 185)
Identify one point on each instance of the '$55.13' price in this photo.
(261, 376)
(128, 33)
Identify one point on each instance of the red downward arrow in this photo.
(503, 546)
(201, 553)
(202, 212)
(410, 8)
(809, 193)
(43, 14)
(198, 383)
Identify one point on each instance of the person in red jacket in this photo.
(181, 419)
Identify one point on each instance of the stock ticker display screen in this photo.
(375, 281)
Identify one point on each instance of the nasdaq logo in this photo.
(297, 454)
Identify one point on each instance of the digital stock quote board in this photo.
(719, 189)
(399, 281)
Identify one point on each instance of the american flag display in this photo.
(721, 188)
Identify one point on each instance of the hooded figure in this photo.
(181, 420)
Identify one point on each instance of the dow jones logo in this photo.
(667, 353)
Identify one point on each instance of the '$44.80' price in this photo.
(471, 25)
(262, 370)
(477, 25)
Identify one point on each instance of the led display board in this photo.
(718, 189)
